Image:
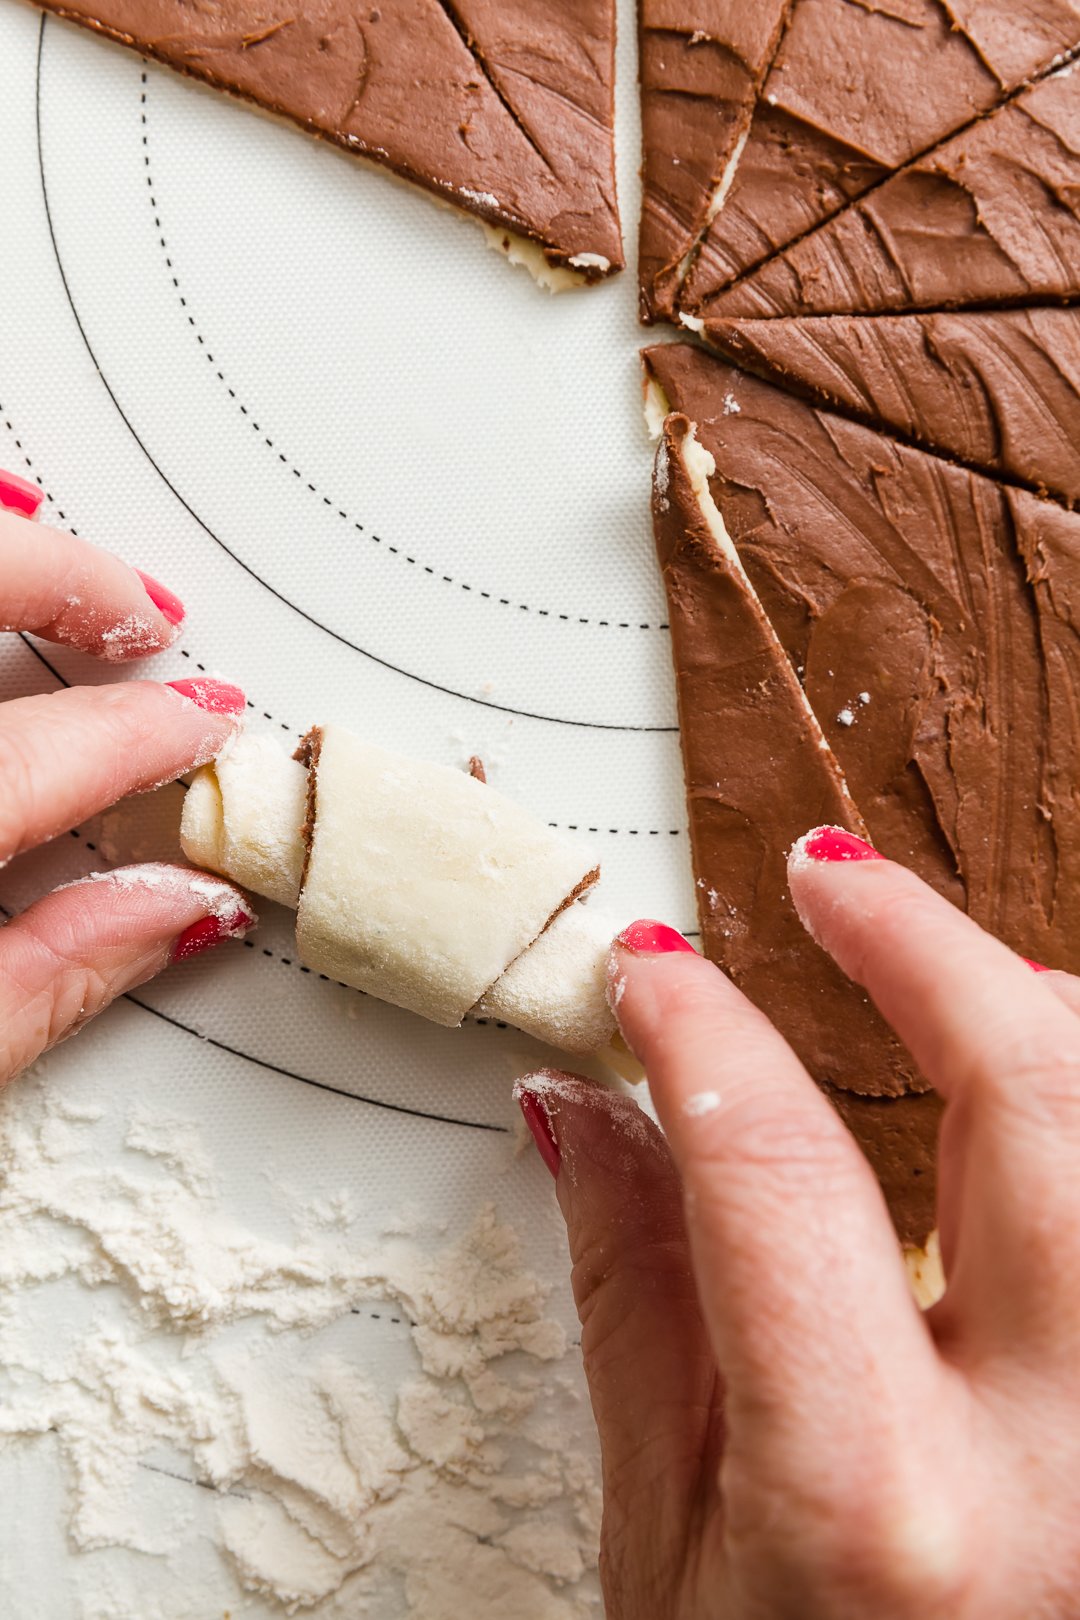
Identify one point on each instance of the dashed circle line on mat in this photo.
(325, 629)
(435, 573)
(28, 463)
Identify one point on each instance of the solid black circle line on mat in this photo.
(335, 635)
(290, 465)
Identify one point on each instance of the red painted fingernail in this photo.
(19, 495)
(216, 697)
(538, 1120)
(647, 938)
(162, 598)
(835, 844)
(210, 931)
(1036, 967)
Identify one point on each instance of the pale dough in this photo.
(243, 815)
(422, 884)
(424, 887)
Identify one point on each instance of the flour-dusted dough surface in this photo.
(557, 989)
(243, 817)
(422, 884)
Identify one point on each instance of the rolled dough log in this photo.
(414, 882)
(422, 885)
(243, 817)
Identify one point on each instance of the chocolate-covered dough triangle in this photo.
(856, 91)
(988, 218)
(759, 773)
(701, 63)
(996, 389)
(502, 108)
(930, 615)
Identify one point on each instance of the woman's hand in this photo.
(66, 755)
(784, 1434)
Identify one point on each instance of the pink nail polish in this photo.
(19, 495)
(835, 844)
(646, 938)
(1036, 967)
(216, 697)
(210, 931)
(163, 599)
(538, 1120)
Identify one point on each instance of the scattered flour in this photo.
(701, 1102)
(229, 1360)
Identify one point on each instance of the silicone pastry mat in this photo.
(397, 485)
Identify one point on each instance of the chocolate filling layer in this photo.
(502, 108)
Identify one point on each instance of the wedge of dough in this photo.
(244, 817)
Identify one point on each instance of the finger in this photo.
(65, 589)
(800, 1275)
(19, 495)
(1066, 986)
(66, 755)
(75, 951)
(1002, 1048)
(651, 1369)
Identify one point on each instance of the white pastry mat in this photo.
(396, 485)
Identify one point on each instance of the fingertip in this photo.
(528, 1094)
(647, 937)
(216, 697)
(583, 1129)
(167, 602)
(20, 496)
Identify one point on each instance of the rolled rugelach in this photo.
(413, 882)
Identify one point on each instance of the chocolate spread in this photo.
(930, 616)
(503, 108)
(997, 389)
(857, 90)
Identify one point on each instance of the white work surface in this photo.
(398, 486)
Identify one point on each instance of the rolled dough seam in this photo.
(413, 882)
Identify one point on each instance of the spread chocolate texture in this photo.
(758, 775)
(700, 64)
(856, 91)
(990, 217)
(930, 616)
(501, 107)
(999, 389)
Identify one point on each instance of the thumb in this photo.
(73, 952)
(651, 1371)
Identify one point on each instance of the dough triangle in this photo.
(929, 615)
(857, 91)
(988, 218)
(502, 108)
(996, 389)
